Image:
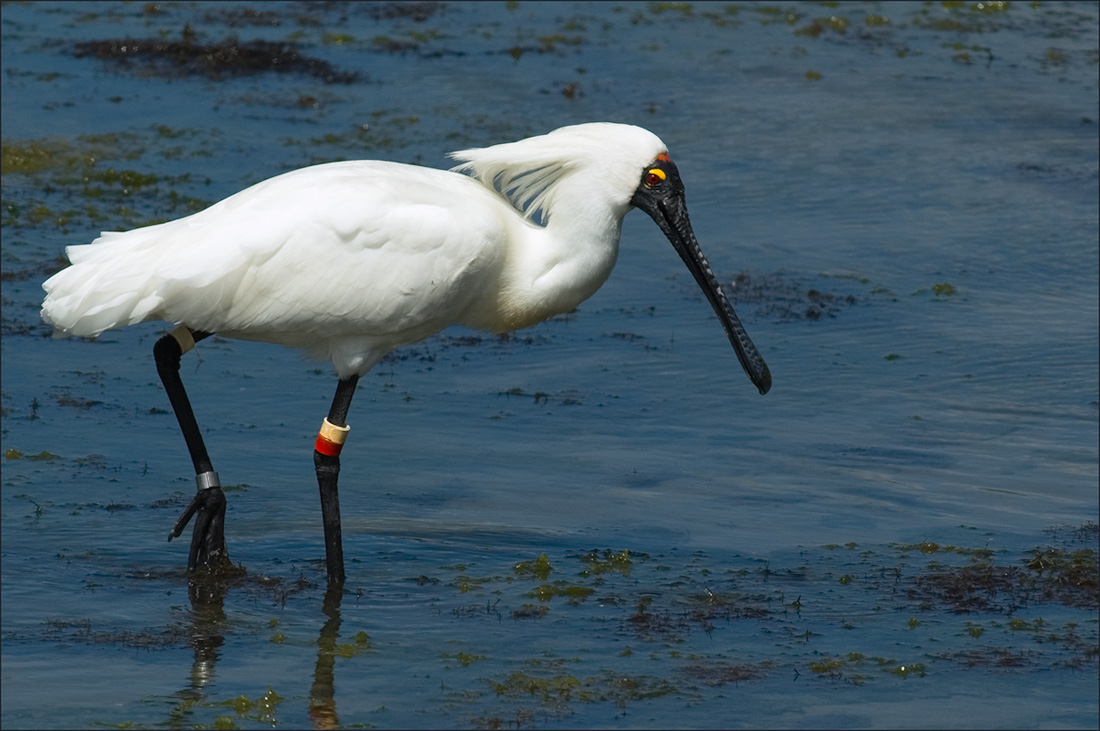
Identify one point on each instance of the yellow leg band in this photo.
(183, 336)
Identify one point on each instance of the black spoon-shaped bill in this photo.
(661, 195)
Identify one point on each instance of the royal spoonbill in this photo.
(349, 260)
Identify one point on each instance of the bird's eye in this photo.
(654, 177)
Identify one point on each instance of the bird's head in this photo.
(660, 193)
(622, 166)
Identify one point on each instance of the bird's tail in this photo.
(106, 287)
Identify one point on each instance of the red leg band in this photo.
(324, 446)
(331, 438)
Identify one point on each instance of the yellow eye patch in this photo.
(654, 176)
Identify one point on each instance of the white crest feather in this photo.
(530, 172)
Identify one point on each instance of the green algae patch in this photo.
(90, 181)
(930, 547)
(904, 671)
(126, 179)
(539, 568)
(469, 583)
(858, 669)
(28, 157)
(337, 39)
(571, 592)
(944, 289)
(556, 688)
(835, 23)
(674, 7)
(608, 562)
(623, 688)
(31, 157)
(262, 710)
(773, 15)
(827, 666)
(465, 659)
(974, 630)
(40, 457)
(360, 643)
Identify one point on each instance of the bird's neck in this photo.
(578, 249)
(554, 268)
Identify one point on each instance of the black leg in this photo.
(208, 538)
(326, 458)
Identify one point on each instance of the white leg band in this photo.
(333, 433)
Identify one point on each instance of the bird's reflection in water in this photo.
(207, 595)
(207, 589)
(206, 634)
(322, 702)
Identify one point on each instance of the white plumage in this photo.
(350, 260)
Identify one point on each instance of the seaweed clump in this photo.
(417, 11)
(227, 58)
(976, 588)
(786, 299)
(1066, 575)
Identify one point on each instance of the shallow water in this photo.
(903, 199)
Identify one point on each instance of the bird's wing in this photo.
(343, 249)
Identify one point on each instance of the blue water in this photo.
(929, 170)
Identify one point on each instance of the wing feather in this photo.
(356, 249)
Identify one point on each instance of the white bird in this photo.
(350, 260)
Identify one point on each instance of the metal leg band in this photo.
(207, 480)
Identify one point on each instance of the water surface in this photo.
(902, 199)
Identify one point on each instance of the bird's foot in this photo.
(208, 537)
